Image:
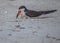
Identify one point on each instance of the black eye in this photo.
(19, 8)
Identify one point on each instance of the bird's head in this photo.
(21, 9)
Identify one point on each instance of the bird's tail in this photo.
(47, 12)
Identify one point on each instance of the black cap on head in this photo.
(22, 7)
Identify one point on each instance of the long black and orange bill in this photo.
(18, 13)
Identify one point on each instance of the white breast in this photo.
(22, 14)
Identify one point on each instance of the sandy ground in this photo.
(46, 29)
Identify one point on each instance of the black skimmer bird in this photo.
(32, 13)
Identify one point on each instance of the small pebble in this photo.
(53, 38)
(17, 26)
(16, 20)
(48, 36)
(16, 30)
(1, 30)
(22, 27)
(34, 30)
(26, 17)
(58, 39)
(10, 34)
